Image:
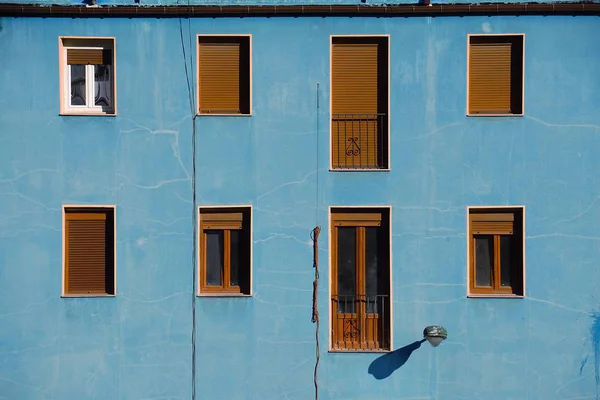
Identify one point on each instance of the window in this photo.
(224, 75)
(360, 285)
(495, 75)
(359, 109)
(225, 250)
(89, 251)
(87, 76)
(496, 251)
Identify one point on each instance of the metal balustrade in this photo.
(360, 322)
(359, 141)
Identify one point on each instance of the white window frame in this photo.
(90, 84)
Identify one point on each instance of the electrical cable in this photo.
(190, 84)
(315, 238)
(315, 312)
(194, 256)
(187, 75)
(317, 162)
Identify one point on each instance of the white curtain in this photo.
(103, 85)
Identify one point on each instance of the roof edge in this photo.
(401, 10)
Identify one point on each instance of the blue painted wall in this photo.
(137, 345)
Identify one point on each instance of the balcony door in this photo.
(359, 107)
(360, 280)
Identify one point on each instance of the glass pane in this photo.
(102, 85)
(214, 257)
(374, 269)
(77, 85)
(346, 269)
(484, 259)
(505, 259)
(235, 257)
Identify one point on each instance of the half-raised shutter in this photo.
(355, 78)
(490, 74)
(356, 219)
(492, 224)
(219, 78)
(355, 122)
(86, 253)
(230, 220)
(89, 56)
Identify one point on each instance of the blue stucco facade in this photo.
(137, 345)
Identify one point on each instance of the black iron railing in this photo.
(360, 322)
(359, 141)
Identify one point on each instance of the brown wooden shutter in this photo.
(89, 56)
(356, 219)
(492, 224)
(219, 78)
(221, 220)
(354, 78)
(490, 77)
(355, 123)
(86, 253)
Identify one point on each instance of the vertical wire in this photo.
(193, 107)
(317, 164)
(315, 236)
(190, 84)
(315, 317)
(194, 255)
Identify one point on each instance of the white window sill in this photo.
(495, 296)
(223, 295)
(222, 115)
(359, 170)
(495, 115)
(357, 351)
(87, 114)
(68, 296)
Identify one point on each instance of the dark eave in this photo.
(400, 10)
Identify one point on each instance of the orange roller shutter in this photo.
(219, 78)
(492, 224)
(88, 56)
(355, 124)
(86, 253)
(490, 78)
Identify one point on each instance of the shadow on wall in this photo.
(384, 366)
(595, 333)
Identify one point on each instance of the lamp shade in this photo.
(435, 341)
(435, 334)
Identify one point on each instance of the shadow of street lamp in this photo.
(382, 367)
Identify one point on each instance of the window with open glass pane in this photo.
(360, 279)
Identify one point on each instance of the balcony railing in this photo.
(359, 141)
(360, 322)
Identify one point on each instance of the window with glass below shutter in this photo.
(88, 76)
(496, 252)
(225, 251)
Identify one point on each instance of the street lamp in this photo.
(435, 334)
